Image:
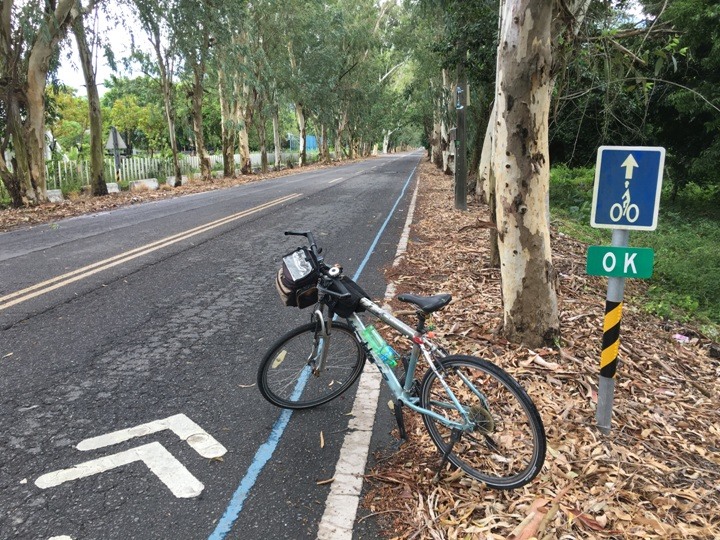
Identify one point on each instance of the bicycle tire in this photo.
(286, 378)
(506, 447)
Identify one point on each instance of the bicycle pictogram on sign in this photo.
(627, 187)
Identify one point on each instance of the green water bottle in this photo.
(379, 346)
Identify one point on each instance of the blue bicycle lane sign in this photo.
(628, 181)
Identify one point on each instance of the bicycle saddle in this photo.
(427, 304)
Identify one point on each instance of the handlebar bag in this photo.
(345, 307)
(296, 280)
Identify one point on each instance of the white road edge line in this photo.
(342, 502)
(336, 180)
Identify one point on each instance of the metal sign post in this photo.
(115, 143)
(626, 197)
(460, 152)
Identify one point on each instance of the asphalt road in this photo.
(157, 316)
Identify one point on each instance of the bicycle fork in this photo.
(319, 354)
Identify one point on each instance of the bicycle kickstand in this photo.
(400, 420)
(454, 437)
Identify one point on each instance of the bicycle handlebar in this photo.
(321, 266)
(310, 239)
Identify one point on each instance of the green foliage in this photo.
(68, 121)
(643, 82)
(686, 242)
(687, 115)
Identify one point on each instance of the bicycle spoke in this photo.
(289, 376)
(504, 444)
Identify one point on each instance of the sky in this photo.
(70, 71)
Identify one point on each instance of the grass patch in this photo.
(686, 243)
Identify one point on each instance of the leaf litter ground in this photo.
(657, 475)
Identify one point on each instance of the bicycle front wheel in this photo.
(504, 445)
(290, 377)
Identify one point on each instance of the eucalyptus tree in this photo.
(192, 25)
(230, 69)
(521, 166)
(30, 32)
(154, 19)
(301, 38)
(97, 161)
(361, 76)
(516, 160)
(193, 29)
(264, 50)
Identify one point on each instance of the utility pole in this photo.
(461, 145)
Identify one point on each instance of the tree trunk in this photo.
(38, 66)
(351, 146)
(262, 135)
(276, 137)
(485, 168)
(342, 124)
(97, 161)
(486, 187)
(20, 183)
(227, 129)
(300, 115)
(447, 104)
(167, 90)
(241, 113)
(338, 146)
(198, 67)
(11, 182)
(244, 149)
(325, 145)
(386, 141)
(437, 135)
(521, 168)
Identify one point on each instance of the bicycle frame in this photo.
(421, 346)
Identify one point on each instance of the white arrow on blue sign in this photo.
(628, 181)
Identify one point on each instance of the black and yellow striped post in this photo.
(610, 341)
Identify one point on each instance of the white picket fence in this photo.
(61, 174)
(74, 174)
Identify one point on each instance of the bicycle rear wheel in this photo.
(505, 448)
(288, 377)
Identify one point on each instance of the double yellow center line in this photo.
(49, 285)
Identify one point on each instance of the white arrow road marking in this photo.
(162, 463)
(629, 165)
(201, 441)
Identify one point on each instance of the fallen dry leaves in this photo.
(657, 475)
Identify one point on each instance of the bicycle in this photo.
(480, 419)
